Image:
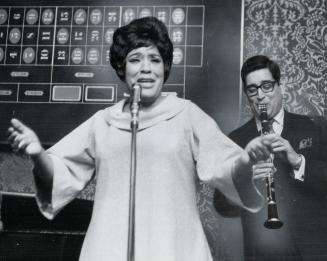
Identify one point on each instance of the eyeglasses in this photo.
(266, 87)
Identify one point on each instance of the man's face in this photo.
(273, 99)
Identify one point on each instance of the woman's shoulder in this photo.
(195, 109)
(115, 109)
(182, 103)
(174, 100)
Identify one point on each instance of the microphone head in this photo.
(136, 93)
(135, 105)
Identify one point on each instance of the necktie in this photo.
(267, 127)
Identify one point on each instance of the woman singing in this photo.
(177, 145)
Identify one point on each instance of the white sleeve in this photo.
(74, 167)
(216, 156)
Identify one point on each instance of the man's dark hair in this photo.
(258, 62)
(141, 32)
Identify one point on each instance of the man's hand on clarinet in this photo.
(263, 169)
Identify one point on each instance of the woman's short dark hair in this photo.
(259, 62)
(141, 32)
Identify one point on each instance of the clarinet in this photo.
(272, 222)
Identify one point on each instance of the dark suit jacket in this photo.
(302, 206)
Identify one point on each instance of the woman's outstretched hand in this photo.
(23, 139)
(260, 148)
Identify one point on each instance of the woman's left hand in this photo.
(260, 148)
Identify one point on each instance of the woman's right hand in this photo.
(23, 139)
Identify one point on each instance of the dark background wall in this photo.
(213, 84)
(208, 73)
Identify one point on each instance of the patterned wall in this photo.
(294, 33)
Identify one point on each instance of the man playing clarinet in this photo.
(299, 169)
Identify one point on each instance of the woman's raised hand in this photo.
(260, 148)
(23, 139)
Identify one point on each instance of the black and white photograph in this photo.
(141, 130)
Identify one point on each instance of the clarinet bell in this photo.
(273, 222)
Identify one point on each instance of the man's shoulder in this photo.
(292, 115)
(248, 126)
(244, 133)
(301, 120)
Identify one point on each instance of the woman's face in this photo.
(144, 66)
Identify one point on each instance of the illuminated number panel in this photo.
(61, 54)
(54, 61)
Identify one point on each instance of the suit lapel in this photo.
(286, 125)
(249, 132)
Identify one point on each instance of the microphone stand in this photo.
(131, 215)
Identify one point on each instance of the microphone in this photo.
(135, 104)
(272, 222)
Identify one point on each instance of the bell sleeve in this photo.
(217, 158)
(73, 168)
